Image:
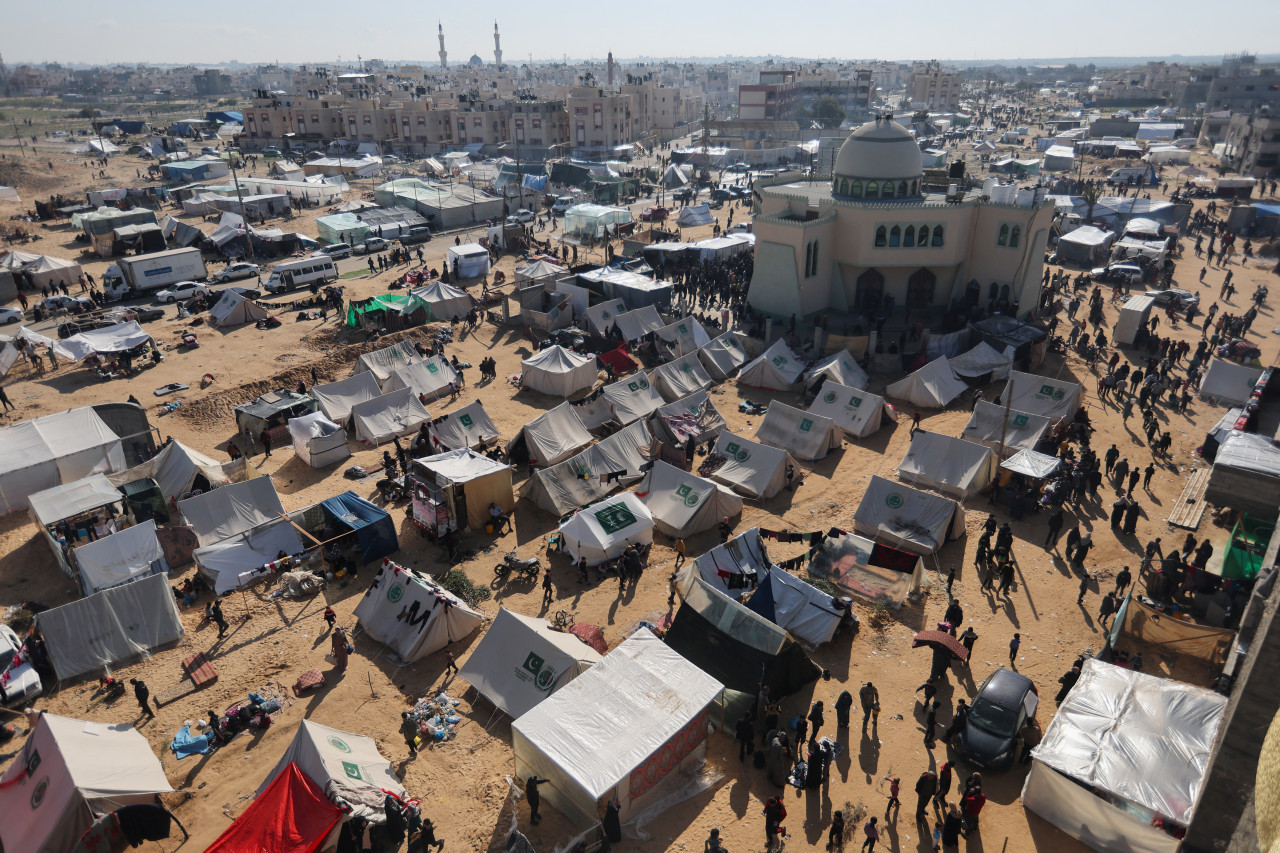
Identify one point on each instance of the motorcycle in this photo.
(524, 569)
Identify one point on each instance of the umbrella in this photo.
(940, 640)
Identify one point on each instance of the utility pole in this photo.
(17, 134)
(248, 231)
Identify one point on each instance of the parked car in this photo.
(561, 204)
(337, 251)
(272, 152)
(181, 290)
(238, 271)
(1174, 296)
(416, 234)
(371, 246)
(71, 304)
(993, 729)
(655, 214)
(740, 228)
(521, 216)
(24, 682)
(10, 315)
(721, 194)
(66, 330)
(247, 292)
(683, 194)
(740, 167)
(140, 313)
(1118, 272)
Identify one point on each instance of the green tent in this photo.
(399, 311)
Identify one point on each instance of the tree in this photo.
(1091, 192)
(827, 111)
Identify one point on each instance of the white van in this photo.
(318, 269)
(562, 204)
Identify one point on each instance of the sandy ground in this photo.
(461, 783)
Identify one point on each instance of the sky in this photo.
(324, 31)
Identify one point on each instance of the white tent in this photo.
(907, 518)
(682, 503)
(337, 398)
(120, 558)
(733, 568)
(470, 260)
(53, 505)
(384, 418)
(634, 325)
(755, 470)
(802, 434)
(723, 356)
(121, 624)
(632, 399)
(693, 417)
(550, 438)
(1134, 316)
(950, 465)
(318, 441)
(412, 614)
(1040, 395)
(634, 726)
(121, 337)
(1123, 749)
(1227, 383)
(382, 363)
(1086, 244)
(445, 300)
(1029, 463)
(838, 367)
(981, 360)
(69, 772)
(521, 661)
(339, 762)
(178, 471)
(694, 215)
(62, 448)
(801, 609)
(601, 317)
(777, 369)
(681, 377)
(427, 379)
(593, 473)
(239, 528)
(469, 426)
(1021, 431)
(859, 413)
(683, 337)
(930, 387)
(559, 372)
(234, 310)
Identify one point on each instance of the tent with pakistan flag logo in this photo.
(682, 503)
(603, 530)
(521, 661)
(347, 767)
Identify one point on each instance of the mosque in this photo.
(871, 239)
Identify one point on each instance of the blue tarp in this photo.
(185, 744)
(761, 601)
(375, 531)
(226, 117)
(1267, 209)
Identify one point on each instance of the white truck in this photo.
(133, 276)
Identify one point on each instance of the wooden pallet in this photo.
(1190, 506)
(199, 673)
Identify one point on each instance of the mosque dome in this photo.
(881, 159)
(475, 59)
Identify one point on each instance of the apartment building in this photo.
(933, 87)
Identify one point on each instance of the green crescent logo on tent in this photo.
(395, 592)
(855, 401)
(615, 517)
(466, 420)
(533, 663)
(780, 360)
(353, 771)
(829, 397)
(339, 744)
(620, 307)
(687, 495)
(684, 330)
(736, 451)
(687, 367)
(644, 383)
(894, 500)
(806, 424)
(731, 343)
(433, 368)
(633, 386)
(1020, 421)
(545, 678)
(605, 315)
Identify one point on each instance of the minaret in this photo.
(610, 69)
(497, 46)
(444, 54)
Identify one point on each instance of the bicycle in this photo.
(563, 620)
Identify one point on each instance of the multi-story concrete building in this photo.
(772, 99)
(1252, 144)
(934, 87)
(599, 119)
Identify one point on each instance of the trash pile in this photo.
(436, 717)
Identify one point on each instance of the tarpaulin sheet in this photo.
(374, 528)
(120, 557)
(232, 509)
(337, 398)
(291, 816)
(872, 571)
(53, 505)
(118, 624)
